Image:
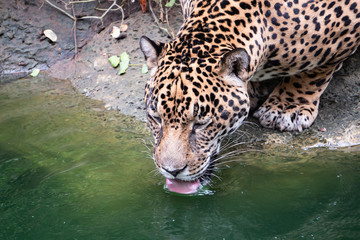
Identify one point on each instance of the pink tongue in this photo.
(182, 187)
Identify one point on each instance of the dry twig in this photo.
(168, 24)
(161, 11)
(60, 9)
(75, 19)
(83, 1)
(157, 21)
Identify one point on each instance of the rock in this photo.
(10, 35)
(100, 63)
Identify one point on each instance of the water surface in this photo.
(70, 170)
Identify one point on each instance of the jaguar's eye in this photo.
(197, 126)
(201, 125)
(155, 118)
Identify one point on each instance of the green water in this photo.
(69, 170)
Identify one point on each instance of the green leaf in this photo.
(170, 3)
(35, 72)
(114, 60)
(144, 69)
(124, 63)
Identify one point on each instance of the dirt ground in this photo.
(22, 23)
(338, 123)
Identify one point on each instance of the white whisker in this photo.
(213, 174)
(156, 172)
(231, 146)
(250, 123)
(226, 162)
(234, 152)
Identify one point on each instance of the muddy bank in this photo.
(337, 125)
(92, 73)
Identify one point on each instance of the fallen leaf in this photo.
(144, 69)
(170, 3)
(143, 4)
(124, 27)
(115, 33)
(119, 33)
(35, 72)
(124, 63)
(114, 60)
(50, 35)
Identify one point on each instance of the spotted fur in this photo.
(204, 82)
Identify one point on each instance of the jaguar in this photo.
(204, 83)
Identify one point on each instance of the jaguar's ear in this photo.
(235, 63)
(151, 50)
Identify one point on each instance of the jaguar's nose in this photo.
(176, 171)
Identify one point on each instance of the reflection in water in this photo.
(69, 170)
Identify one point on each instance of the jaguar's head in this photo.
(193, 100)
